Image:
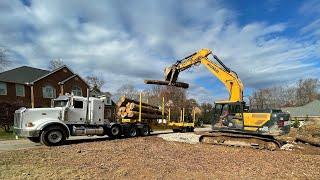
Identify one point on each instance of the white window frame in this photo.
(4, 86)
(44, 92)
(23, 90)
(75, 90)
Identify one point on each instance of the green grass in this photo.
(6, 135)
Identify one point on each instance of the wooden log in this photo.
(122, 111)
(134, 114)
(144, 109)
(167, 83)
(123, 101)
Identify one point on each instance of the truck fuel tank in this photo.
(82, 131)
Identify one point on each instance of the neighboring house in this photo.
(34, 87)
(310, 109)
(110, 107)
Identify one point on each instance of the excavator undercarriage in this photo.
(239, 138)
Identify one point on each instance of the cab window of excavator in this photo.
(218, 111)
(235, 108)
(236, 111)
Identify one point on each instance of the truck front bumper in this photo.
(27, 133)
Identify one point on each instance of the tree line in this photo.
(302, 92)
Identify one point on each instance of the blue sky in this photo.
(267, 42)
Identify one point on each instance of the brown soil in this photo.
(154, 158)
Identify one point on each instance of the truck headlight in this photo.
(29, 124)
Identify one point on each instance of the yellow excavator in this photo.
(234, 124)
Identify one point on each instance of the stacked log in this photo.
(129, 109)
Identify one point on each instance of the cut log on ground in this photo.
(167, 83)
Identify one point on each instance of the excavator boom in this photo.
(228, 77)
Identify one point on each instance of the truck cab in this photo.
(68, 116)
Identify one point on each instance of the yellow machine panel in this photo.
(252, 121)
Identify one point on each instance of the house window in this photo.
(3, 88)
(49, 92)
(76, 90)
(20, 91)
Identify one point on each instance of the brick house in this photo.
(33, 87)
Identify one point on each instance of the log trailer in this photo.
(80, 116)
(160, 118)
(234, 124)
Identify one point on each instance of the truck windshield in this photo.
(60, 103)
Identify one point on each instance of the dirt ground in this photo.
(155, 158)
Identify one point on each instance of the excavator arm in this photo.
(228, 77)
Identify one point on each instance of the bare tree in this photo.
(207, 113)
(4, 59)
(55, 64)
(95, 82)
(285, 96)
(129, 91)
(307, 90)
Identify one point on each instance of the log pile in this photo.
(129, 109)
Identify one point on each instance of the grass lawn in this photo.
(6, 135)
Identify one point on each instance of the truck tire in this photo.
(52, 136)
(144, 131)
(34, 139)
(132, 132)
(114, 132)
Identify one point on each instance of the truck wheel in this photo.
(34, 139)
(52, 136)
(144, 131)
(132, 132)
(114, 132)
(183, 130)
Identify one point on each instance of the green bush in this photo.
(296, 123)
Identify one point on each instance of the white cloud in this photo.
(126, 43)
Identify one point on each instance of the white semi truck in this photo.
(72, 116)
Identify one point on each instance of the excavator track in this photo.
(238, 138)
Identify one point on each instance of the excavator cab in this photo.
(229, 114)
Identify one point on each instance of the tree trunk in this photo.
(166, 83)
(135, 115)
(144, 109)
(123, 101)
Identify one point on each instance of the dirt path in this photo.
(154, 158)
